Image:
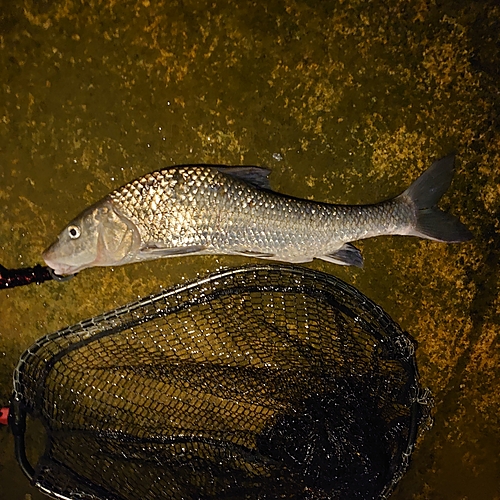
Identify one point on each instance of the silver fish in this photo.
(232, 210)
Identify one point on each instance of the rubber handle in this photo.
(4, 416)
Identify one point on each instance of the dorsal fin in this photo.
(256, 176)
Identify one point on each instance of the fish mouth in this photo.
(58, 277)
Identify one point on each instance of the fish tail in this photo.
(432, 223)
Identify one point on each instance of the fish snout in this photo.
(56, 262)
(56, 267)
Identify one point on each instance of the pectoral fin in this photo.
(347, 255)
(256, 254)
(151, 251)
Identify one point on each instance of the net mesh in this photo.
(260, 382)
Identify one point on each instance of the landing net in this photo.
(263, 382)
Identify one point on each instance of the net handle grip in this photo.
(10, 278)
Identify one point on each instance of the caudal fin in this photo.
(432, 223)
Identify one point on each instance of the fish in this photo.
(232, 210)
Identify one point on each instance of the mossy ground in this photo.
(346, 101)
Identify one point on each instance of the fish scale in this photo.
(232, 210)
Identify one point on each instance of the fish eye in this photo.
(74, 232)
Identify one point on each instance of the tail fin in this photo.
(432, 223)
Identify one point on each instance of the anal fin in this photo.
(346, 255)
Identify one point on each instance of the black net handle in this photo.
(17, 423)
(10, 278)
